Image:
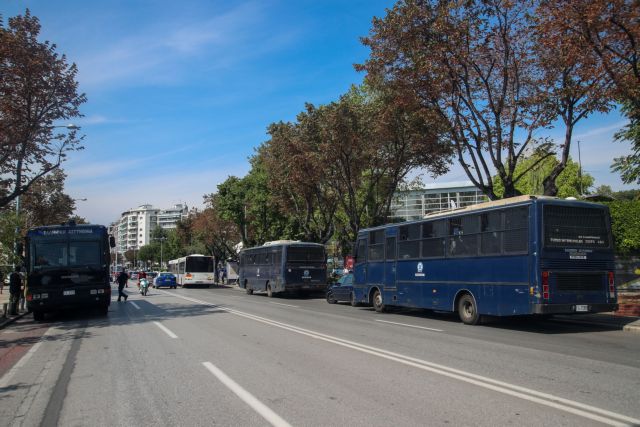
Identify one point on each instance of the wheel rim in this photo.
(467, 309)
(377, 299)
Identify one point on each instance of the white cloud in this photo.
(157, 55)
(601, 130)
(108, 199)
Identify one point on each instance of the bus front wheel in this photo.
(378, 305)
(352, 300)
(467, 310)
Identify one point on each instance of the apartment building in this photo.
(133, 229)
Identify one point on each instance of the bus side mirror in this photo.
(112, 241)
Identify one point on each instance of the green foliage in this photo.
(248, 203)
(627, 195)
(625, 226)
(9, 221)
(569, 183)
(629, 166)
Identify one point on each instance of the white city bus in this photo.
(193, 270)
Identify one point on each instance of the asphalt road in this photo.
(220, 357)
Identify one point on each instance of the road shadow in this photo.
(534, 324)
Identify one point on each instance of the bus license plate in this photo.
(69, 292)
(582, 308)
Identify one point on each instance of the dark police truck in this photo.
(67, 268)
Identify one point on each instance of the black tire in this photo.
(104, 310)
(378, 304)
(467, 310)
(330, 298)
(352, 300)
(38, 316)
(249, 291)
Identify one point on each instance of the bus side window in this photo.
(391, 249)
(376, 245)
(361, 251)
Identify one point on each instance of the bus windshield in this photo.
(61, 254)
(575, 227)
(199, 264)
(305, 254)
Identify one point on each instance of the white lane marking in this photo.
(165, 329)
(135, 305)
(262, 409)
(7, 377)
(587, 411)
(410, 326)
(286, 305)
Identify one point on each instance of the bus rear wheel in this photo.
(378, 305)
(38, 316)
(467, 310)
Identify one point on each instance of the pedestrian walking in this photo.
(15, 286)
(122, 279)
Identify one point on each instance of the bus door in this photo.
(360, 269)
(390, 264)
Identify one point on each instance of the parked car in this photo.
(165, 279)
(342, 290)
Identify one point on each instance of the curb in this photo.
(10, 320)
(634, 327)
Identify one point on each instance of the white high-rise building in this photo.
(133, 229)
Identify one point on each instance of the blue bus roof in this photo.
(66, 229)
(493, 204)
(283, 243)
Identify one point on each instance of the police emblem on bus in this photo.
(420, 267)
(306, 273)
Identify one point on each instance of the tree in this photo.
(476, 65)
(45, 202)
(604, 190)
(37, 88)
(625, 226)
(629, 166)
(250, 205)
(570, 183)
(610, 30)
(218, 235)
(297, 174)
(372, 138)
(9, 223)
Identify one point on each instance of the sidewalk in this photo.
(624, 323)
(4, 299)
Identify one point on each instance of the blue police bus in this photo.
(283, 266)
(519, 256)
(67, 268)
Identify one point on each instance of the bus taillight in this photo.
(545, 284)
(612, 285)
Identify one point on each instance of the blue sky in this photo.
(180, 93)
